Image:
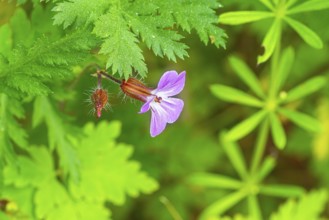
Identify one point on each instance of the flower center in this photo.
(157, 99)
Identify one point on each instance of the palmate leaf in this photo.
(242, 17)
(214, 181)
(57, 136)
(311, 5)
(309, 206)
(120, 23)
(106, 161)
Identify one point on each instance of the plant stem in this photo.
(260, 146)
(108, 76)
(171, 209)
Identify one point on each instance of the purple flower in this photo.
(164, 108)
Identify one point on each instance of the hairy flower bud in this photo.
(135, 89)
(99, 99)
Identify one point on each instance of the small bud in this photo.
(135, 89)
(99, 99)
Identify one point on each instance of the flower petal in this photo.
(173, 107)
(170, 84)
(158, 122)
(146, 105)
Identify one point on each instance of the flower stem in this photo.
(260, 146)
(108, 76)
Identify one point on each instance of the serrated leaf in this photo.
(214, 180)
(310, 86)
(302, 120)
(309, 206)
(246, 75)
(120, 45)
(309, 36)
(278, 133)
(271, 41)
(246, 126)
(242, 17)
(313, 5)
(230, 94)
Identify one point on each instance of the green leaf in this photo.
(245, 127)
(281, 190)
(309, 36)
(290, 3)
(266, 167)
(223, 204)
(312, 5)
(310, 86)
(302, 120)
(234, 153)
(214, 180)
(230, 94)
(271, 41)
(246, 75)
(268, 4)
(253, 207)
(284, 69)
(278, 133)
(6, 39)
(57, 136)
(106, 161)
(309, 206)
(121, 45)
(242, 17)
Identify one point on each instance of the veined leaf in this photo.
(230, 94)
(223, 204)
(309, 206)
(302, 120)
(242, 17)
(246, 75)
(278, 133)
(246, 126)
(214, 180)
(309, 36)
(284, 69)
(312, 5)
(234, 153)
(281, 190)
(306, 88)
(270, 41)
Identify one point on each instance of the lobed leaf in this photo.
(309, 206)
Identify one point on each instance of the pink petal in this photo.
(173, 107)
(146, 105)
(158, 123)
(170, 84)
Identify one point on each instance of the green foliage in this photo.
(271, 104)
(98, 151)
(280, 11)
(309, 206)
(122, 23)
